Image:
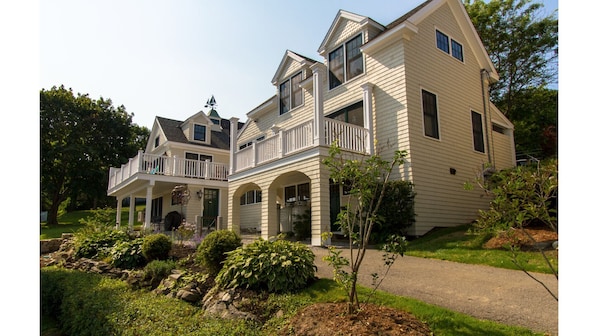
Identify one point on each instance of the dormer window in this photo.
(291, 94)
(199, 132)
(345, 62)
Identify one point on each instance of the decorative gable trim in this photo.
(290, 56)
(363, 21)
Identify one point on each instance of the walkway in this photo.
(505, 296)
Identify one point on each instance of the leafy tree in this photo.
(534, 115)
(368, 176)
(521, 197)
(521, 43)
(80, 139)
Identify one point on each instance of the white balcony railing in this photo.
(167, 166)
(286, 142)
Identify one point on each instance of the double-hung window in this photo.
(199, 132)
(345, 62)
(478, 132)
(291, 94)
(449, 46)
(430, 108)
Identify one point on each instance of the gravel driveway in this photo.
(505, 296)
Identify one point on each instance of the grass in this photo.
(457, 244)
(69, 222)
(140, 312)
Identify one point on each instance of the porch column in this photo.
(119, 202)
(148, 205)
(234, 211)
(233, 144)
(320, 208)
(319, 71)
(131, 211)
(270, 225)
(367, 116)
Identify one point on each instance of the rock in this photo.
(191, 296)
(221, 304)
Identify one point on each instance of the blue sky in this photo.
(167, 58)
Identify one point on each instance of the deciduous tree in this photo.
(80, 139)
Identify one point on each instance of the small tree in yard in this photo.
(368, 177)
(521, 196)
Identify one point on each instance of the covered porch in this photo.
(154, 177)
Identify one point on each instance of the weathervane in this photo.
(211, 103)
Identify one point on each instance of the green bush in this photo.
(212, 250)
(97, 244)
(159, 269)
(278, 266)
(127, 254)
(156, 247)
(397, 211)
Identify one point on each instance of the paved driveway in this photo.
(505, 296)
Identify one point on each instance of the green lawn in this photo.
(457, 244)
(69, 222)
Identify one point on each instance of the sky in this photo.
(167, 58)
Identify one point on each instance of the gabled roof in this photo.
(410, 20)
(288, 56)
(173, 132)
(345, 15)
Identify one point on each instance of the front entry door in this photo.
(210, 208)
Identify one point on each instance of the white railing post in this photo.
(254, 155)
(208, 169)
(174, 166)
(367, 117)
(233, 143)
(141, 160)
(278, 133)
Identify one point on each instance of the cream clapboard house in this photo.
(419, 83)
(187, 158)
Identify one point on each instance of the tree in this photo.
(80, 139)
(521, 43)
(520, 197)
(368, 177)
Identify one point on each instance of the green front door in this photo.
(210, 208)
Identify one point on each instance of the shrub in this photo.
(159, 269)
(156, 247)
(211, 251)
(97, 244)
(127, 254)
(397, 211)
(302, 225)
(278, 266)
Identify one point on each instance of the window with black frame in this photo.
(345, 62)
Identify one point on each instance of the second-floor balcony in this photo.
(287, 142)
(167, 166)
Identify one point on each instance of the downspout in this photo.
(483, 80)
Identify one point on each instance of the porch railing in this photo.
(286, 142)
(167, 166)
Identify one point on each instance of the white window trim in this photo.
(344, 46)
(450, 46)
(421, 101)
(483, 133)
(193, 133)
(289, 80)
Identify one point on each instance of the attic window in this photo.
(345, 62)
(291, 94)
(199, 132)
(157, 142)
(453, 48)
